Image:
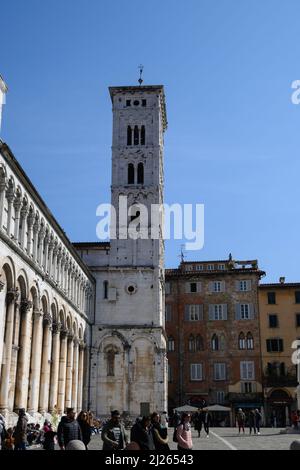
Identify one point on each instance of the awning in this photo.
(217, 408)
(186, 408)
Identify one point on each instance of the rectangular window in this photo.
(220, 397)
(221, 267)
(217, 286)
(193, 312)
(167, 288)
(245, 312)
(218, 312)
(271, 298)
(192, 287)
(274, 345)
(199, 267)
(248, 387)
(297, 320)
(196, 372)
(220, 371)
(273, 321)
(168, 312)
(247, 370)
(243, 286)
(210, 267)
(297, 297)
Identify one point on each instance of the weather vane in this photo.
(141, 68)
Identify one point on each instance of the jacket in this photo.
(108, 439)
(143, 437)
(68, 431)
(20, 433)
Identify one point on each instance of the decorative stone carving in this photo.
(56, 328)
(63, 333)
(47, 319)
(12, 295)
(2, 284)
(26, 305)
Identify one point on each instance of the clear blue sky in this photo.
(234, 135)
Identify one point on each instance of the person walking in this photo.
(184, 434)
(206, 420)
(258, 418)
(241, 418)
(160, 442)
(49, 438)
(113, 434)
(68, 429)
(252, 423)
(198, 422)
(85, 427)
(20, 433)
(141, 433)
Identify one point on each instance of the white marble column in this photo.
(2, 197)
(80, 376)
(54, 366)
(62, 372)
(22, 380)
(30, 222)
(45, 260)
(17, 206)
(75, 374)
(45, 370)
(10, 198)
(11, 298)
(68, 399)
(36, 228)
(24, 213)
(35, 365)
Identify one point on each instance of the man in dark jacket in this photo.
(141, 433)
(113, 435)
(20, 433)
(68, 429)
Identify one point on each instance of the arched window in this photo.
(130, 173)
(199, 343)
(105, 289)
(215, 343)
(143, 135)
(171, 344)
(129, 135)
(250, 342)
(111, 362)
(222, 343)
(140, 175)
(192, 344)
(242, 342)
(136, 135)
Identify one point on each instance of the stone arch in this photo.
(62, 319)
(69, 323)
(22, 278)
(54, 312)
(8, 267)
(44, 304)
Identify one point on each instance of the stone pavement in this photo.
(227, 439)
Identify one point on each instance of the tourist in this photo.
(251, 422)
(20, 433)
(258, 418)
(141, 433)
(113, 434)
(206, 420)
(241, 418)
(184, 434)
(164, 420)
(295, 420)
(49, 437)
(86, 429)
(159, 438)
(198, 422)
(68, 429)
(9, 441)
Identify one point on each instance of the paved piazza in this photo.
(227, 439)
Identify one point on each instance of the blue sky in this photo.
(233, 138)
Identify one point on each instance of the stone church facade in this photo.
(82, 324)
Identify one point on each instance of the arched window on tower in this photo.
(250, 342)
(129, 135)
(215, 343)
(242, 341)
(143, 135)
(140, 175)
(111, 362)
(136, 135)
(105, 289)
(130, 173)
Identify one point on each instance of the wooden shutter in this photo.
(237, 311)
(249, 285)
(251, 311)
(211, 286)
(224, 311)
(237, 286)
(199, 286)
(211, 312)
(223, 286)
(187, 287)
(200, 310)
(186, 312)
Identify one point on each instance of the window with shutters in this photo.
(275, 345)
(215, 343)
(193, 312)
(248, 387)
(192, 287)
(218, 312)
(217, 286)
(250, 341)
(242, 341)
(247, 370)
(168, 310)
(196, 372)
(221, 267)
(199, 267)
(210, 267)
(220, 397)
(171, 344)
(167, 288)
(243, 286)
(220, 371)
(192, 343)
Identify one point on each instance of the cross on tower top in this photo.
(141, 68)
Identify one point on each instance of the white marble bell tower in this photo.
(128, 363)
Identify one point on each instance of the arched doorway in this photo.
(279, 407)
